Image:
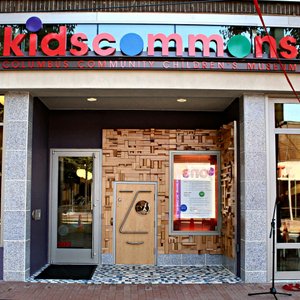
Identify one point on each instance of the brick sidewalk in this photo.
(44, 291)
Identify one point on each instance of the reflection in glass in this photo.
(288, 259)
(119, 30)
(89, 30)
(1, 141)
(46, 29)
(288, 188)
(16, 29)
(74, 228)
(185, 30)
(287, 115)
(1, 110)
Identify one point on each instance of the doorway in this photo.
(135, 223)
(75, 206)
(285, 180)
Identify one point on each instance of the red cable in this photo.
(275, 50)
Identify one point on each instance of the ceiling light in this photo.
(91, 99)
(82, 173)
(181, 100)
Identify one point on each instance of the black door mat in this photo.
(73, 272)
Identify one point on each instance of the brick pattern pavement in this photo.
(32, 291)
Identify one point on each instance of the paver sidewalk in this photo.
(74, 291)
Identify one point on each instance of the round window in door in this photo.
(142, 207)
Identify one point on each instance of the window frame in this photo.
(1, 194)
(218, 197)
(272, 169)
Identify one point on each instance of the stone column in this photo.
(253, 181)
(17, 153)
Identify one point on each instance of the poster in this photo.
(194, 186)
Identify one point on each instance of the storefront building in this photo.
(150, 134)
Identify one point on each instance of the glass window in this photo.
(89, 30)
(287, 115)
(1, 38)
(1, 143)
(53, 44)
(74, 213)
(185, 31)
(288, 259)
(288, 205)
(119, 30)
(226, 32)
(16, 29)
(1, 110)
(194, 192)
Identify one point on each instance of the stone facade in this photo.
(253, 183)
(252, 140)
(17, 185)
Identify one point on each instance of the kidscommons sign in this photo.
(63, 50)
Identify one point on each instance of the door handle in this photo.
(111, 221)
(134, 243)
(93, 246)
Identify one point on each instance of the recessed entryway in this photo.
(145, 274)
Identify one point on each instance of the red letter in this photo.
(12, 44)
(205, 44)
(259, 43)
(32, 44)
(103, 37)
(60, 38)
(5, 65)
(165, 43)
(77, 41)
(288, 43)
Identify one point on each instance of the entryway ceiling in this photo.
(137, 99)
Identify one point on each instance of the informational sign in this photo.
(194, 190)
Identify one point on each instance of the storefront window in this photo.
(225, 31)
(194, 190)
(1, 113)
(287, 115)
(16, 29)
(288, 204)
(89, 30)
(288, 259)
(119, 30)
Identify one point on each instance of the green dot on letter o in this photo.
(239, 46)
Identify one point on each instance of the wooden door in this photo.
(135, 223)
